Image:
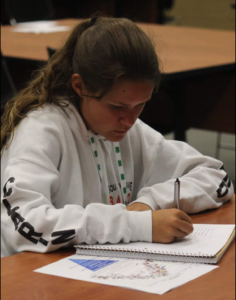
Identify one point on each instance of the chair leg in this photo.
(218, 143)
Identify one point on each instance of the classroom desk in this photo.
(18, 281)
(198, 67)
(180, 49)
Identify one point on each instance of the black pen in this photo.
(177, 192)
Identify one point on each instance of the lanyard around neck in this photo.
(121, 172)
(95, 154)
(119, 162)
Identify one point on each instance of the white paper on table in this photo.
(206, 239)
(151, 276)
(39, 27)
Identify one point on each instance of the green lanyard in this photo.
(123, 187)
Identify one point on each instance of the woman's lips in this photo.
(121, 132)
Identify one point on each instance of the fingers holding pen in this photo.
(183, 216)
(168, 224)
(182, 229)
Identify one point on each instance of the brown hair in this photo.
(100, 51)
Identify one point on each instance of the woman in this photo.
(75, 154)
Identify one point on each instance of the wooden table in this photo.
(18, 281)
(199, 80)
(180, 49)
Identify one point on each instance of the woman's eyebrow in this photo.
(124, 104)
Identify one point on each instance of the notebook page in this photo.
(206, 239)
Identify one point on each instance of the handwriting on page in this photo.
(206, 239)
(203, 231)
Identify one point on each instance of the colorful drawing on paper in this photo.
(147, 270)
(92, 264)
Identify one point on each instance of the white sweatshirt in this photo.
(52, 196)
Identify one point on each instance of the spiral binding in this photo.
(146, 254)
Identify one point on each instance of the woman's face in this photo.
(117, 111)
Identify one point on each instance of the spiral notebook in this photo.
(206, 244)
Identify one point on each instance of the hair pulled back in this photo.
(100, 51)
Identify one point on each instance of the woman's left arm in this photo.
(205, 183)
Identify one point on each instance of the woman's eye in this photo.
(141, 104)
(116, 107)
(120, 107)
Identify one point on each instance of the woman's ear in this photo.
(78, 85)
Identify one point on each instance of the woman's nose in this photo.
(128, 118)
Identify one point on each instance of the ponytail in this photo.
(49, 84)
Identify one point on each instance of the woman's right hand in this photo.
(168, 224)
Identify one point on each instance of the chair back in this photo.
(51, 51)
(29, 10)
(8, 89)
(168, 4)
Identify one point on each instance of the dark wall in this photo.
(140, 11)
